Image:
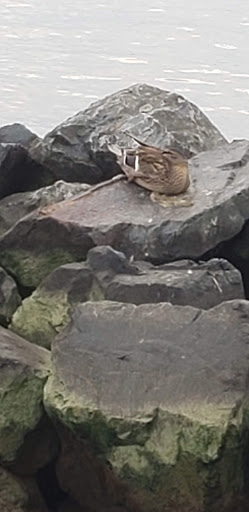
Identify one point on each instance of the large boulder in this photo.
(203, 284)
(24, 370)
(122, 215)
(76, 150)
(16, 206)
(109, 275)
(160, 394)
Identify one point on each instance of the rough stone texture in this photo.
(76, 150)
(18, 172)
(122, 215)
(40, 446)
(106, 263)
(17, 133)
(89, 481)
(70, 505)
(202, 285)
(9, 297)
(237, 251)
(16, 206)
(42, 315)
(19, 495)
(109, 275)
(24, 370)
(160, 392)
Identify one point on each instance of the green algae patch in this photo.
(188, 461)
(101, 431)
(167, 456)
(41, 317)
(85, 421)
(45, 313)
(21, 409)
(30, 268)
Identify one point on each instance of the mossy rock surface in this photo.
(159, 392)
(47, 311)
(29, 269)
(24, 371)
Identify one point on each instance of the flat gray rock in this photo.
(15, 207)
(76, 150)
(108, 275)
(202, 285)
(155, 391)
(212, 211)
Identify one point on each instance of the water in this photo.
(59, 56)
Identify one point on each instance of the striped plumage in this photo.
(163, 171)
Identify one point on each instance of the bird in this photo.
(164, 171)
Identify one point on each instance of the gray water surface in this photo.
(58, 56)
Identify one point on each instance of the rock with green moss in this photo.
(159, 392)
(123, 216)
(29, 269)
(9, 297)
(44, 314)
(108, 274)
(24, 371)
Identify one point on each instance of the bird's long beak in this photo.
(114, 148)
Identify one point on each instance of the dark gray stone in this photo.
(108, 275)
(74, 279)
(18, 172)
(122, 215)
(76, 150)
(237, 251)
(160, 392)
(9, 297)
(106, 262)
(202, 285)
(17, 133)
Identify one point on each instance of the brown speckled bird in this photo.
(163, 171)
